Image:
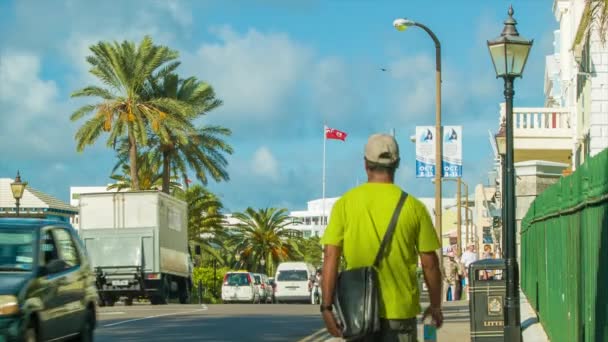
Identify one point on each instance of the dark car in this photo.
(47, 287)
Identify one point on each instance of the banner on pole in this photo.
(425, 151)
(452, 151)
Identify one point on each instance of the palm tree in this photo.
(265, 234)
(205, 219)
(124, 69)
(148, 174)
(180, 145)
(595, 13)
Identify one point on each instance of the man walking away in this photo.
(359, 220)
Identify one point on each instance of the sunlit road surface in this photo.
(222, 322)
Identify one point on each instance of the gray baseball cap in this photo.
(382, 149)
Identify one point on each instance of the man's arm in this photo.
(331, 260)
(432, 276)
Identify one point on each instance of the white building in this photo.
(310, 221)
(577, 78)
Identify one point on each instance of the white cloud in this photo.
(253, 73)
(21, 87)
(265, 164)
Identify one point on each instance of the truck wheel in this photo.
(184, 292)
(128, 301)
(109, 301)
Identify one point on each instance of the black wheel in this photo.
(184, 292)
(128, 301)
(109, 301)
(88, 326)
(31, 332)
(164, 293)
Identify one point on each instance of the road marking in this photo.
(112, 313)
(150, 317)
(310, 338)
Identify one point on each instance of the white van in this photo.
(292, 282)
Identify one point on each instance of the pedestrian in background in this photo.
(467, 258)
(359, 220)
(450, 277)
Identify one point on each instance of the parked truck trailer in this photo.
(138, 244)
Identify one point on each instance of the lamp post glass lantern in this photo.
(509, 54)
(18, 188)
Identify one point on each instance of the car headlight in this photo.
(9, 305)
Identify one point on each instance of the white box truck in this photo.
(138, 245)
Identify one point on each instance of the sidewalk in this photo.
(456, 326)
(532, 330)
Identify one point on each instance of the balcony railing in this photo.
(539, 118)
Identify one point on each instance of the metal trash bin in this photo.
(487, 292)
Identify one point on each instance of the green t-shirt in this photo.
(358, 222)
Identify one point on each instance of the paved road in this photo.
(234, 322)
(231, 322)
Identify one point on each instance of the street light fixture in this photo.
(18, 188)
(509, 54)
(402, 24)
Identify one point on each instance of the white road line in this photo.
(150, 317)
(112, 313)
(313, 335)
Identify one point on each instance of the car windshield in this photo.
(16, 250)
(293, 275)
(258, 279)
(237, 279)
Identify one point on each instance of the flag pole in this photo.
(324, 147)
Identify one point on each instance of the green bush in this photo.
(211, 294)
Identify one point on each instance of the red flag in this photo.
(332, 133)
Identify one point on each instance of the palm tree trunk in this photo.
(133, 160)
(166, 171)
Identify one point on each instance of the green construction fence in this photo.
(564, 254)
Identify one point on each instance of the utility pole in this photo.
(459, 217)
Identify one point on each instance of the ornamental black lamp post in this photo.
(18, 187)
(509, 54)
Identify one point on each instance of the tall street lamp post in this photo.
(509, 54)
(459, 184)
(401, 25)
(18, 187)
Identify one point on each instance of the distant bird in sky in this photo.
(383, 69)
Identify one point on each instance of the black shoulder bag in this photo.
(356, 297)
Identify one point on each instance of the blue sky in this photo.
(282, 68)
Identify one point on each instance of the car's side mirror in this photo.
(197, 250)
(54, 266)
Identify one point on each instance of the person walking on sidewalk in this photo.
(451, 271)
(467, 258)
(357, 223)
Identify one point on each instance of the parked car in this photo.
(47, 286)
(239, 286)
(293, 282)
(263, 286)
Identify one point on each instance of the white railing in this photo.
(539, 118)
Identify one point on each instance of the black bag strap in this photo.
(391, 229)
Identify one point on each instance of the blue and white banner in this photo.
(452, 151)
(425, 151)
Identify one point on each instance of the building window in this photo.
(75, 196)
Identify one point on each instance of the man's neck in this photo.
(380, 179)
